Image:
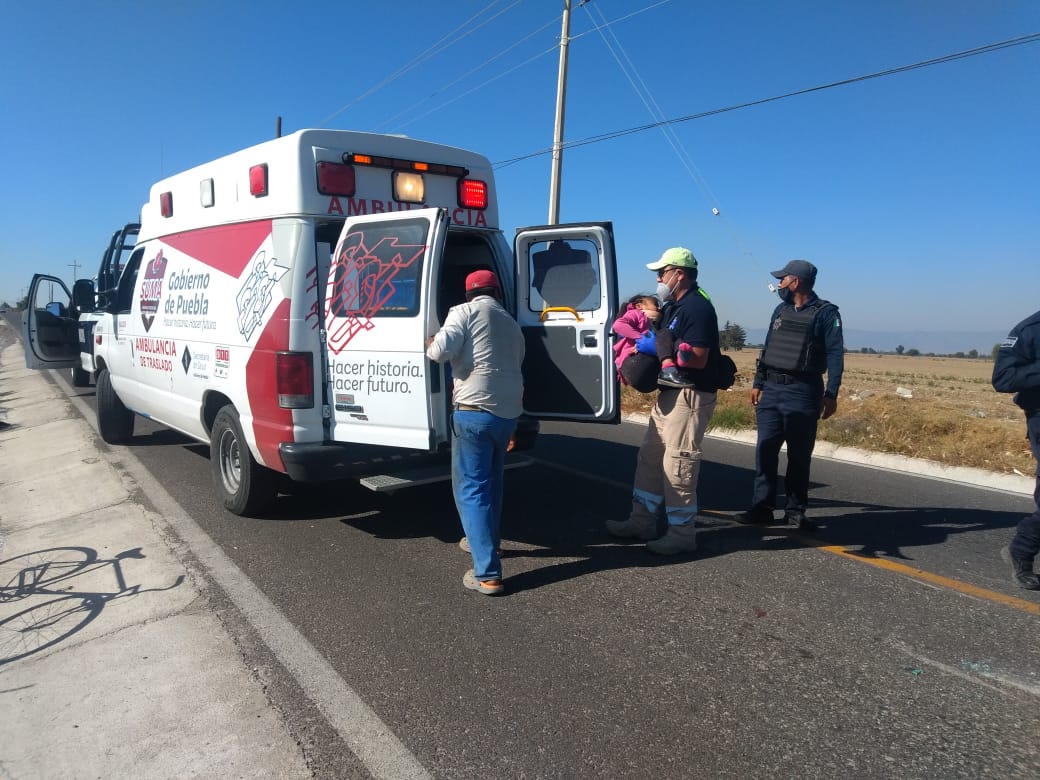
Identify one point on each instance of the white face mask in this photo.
(664, 292)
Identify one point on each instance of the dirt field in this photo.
(952, 414)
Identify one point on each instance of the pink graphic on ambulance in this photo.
(151, 289)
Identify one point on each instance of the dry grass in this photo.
(953, 417)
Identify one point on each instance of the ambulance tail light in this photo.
(336, 179)
(258, 180)
(473, 194)
(294, 380)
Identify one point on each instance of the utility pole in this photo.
(561, 99)
(75, 273)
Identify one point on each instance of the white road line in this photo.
(378, 748)
(992, 680)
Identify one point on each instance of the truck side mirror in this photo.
(56, 309)
(83, 295)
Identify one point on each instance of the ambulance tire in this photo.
(114, 421)
(245, 487)
(80, 378)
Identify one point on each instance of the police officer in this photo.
(803, 342)
(1017, 370)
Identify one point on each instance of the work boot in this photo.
(756, 515)
(798, 521)
(671, 377)
(1021, 570)
(677, 539)
(633, 528)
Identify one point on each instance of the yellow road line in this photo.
(1032, 607)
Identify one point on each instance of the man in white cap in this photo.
(665, 482)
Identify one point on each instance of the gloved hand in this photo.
(647, 344)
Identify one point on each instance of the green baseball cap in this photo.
(678, 256)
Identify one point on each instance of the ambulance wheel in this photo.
(114, 421)
(244, 485)
(80, 378)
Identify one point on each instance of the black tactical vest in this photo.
(790, 346)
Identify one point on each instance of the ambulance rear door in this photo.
(379, 306)
(567, 303)
(50, 332)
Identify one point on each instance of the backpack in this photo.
(726, 372)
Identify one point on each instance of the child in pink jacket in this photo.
(638, 318)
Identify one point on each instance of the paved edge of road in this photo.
(1008, 483)
(379, 750)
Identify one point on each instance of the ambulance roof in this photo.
(218, 192)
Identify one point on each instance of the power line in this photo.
(432, 51)
(550, 50)
(470, 72)
(988, 48)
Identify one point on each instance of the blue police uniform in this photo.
(1017, 370)
(801, 344)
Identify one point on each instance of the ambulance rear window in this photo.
(377, 270)
(564, 274)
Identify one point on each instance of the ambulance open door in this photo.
(567, 303)
(379, 306)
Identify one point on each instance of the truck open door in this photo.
(50, 332)
(379, 306)
(566, 306)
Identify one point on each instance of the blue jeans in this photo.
(478, 460)
(1026, 543)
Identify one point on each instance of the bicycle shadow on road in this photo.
(50, 595)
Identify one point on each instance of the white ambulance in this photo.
(277, 302)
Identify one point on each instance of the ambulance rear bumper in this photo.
(328, 461)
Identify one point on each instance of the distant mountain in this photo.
(941, 343)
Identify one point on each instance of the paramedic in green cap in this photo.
(665, 482)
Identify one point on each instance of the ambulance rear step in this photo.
(425, 475)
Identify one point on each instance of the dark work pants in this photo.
(1026, 543)
(786, 413)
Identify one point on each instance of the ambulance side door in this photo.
(566, 306)
(49, 327)
(379, 307)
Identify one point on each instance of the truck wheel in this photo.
(80, 378)
(115, 422)
(244, 485)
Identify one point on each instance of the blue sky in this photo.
(916, 194)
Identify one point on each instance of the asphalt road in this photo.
(767, 654)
